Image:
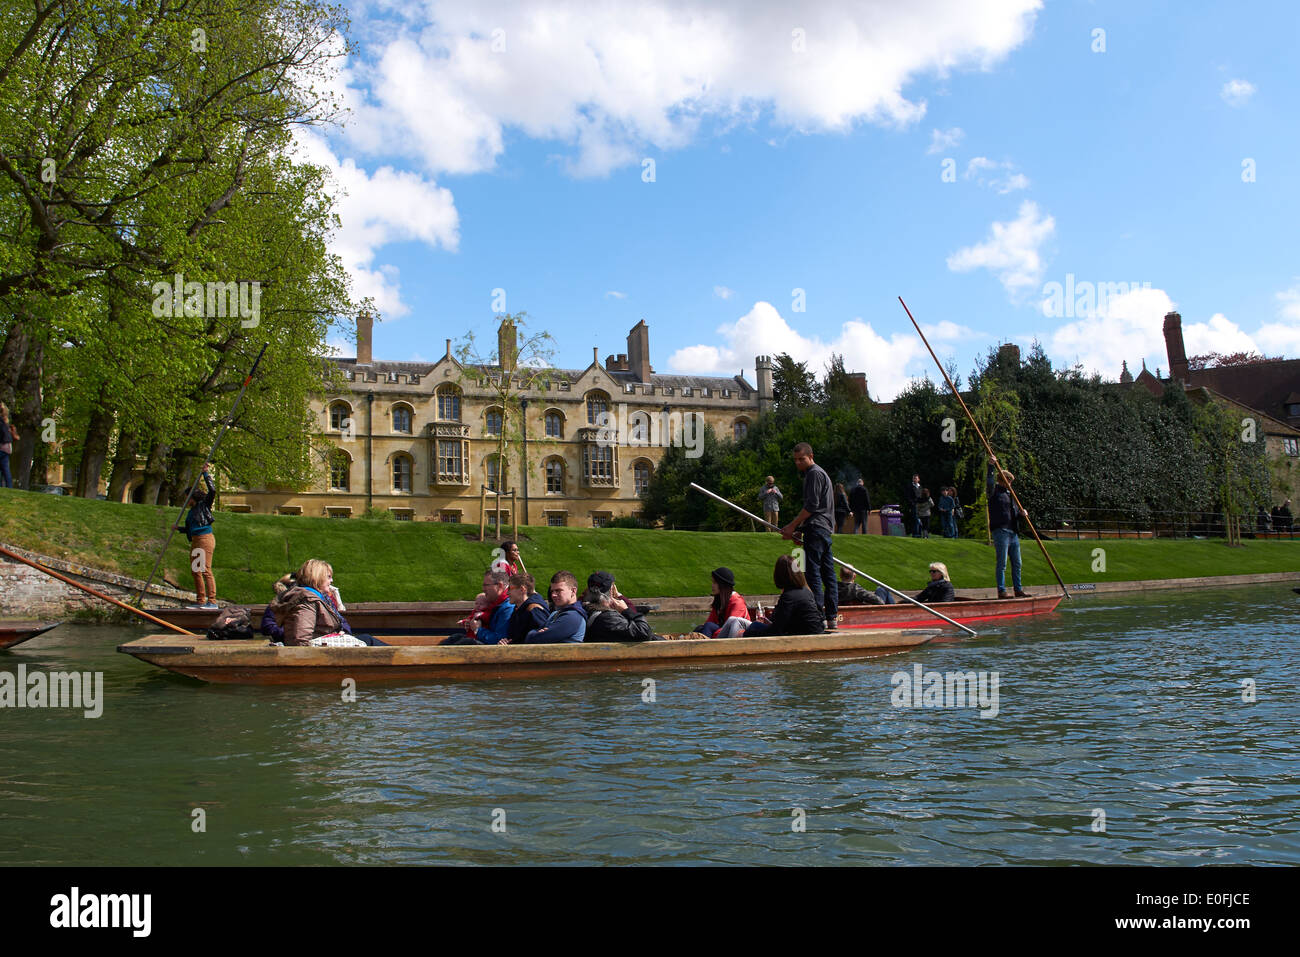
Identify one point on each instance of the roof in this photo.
(1267, 386)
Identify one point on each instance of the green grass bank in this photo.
(408, 561)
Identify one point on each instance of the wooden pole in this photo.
(988, 448)
(856, 571)
(68, 581)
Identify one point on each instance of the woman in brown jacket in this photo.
(307, 610)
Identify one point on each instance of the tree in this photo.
(793, 384)
(508, 374)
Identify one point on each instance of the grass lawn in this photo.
(412, 561)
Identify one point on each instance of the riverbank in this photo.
(409, 561)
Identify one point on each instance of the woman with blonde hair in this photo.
(8, 435)
(308, 610)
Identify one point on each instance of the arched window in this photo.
(340, 472)
(494, 421)
(597, 403)
(638, 426)
(739, 429)
(492, 465)
(340, 412)
(641, 471)
(555, 476)
(448, 403)
(402, 418)
(554, 425)
(401, 473)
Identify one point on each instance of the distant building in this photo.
(416, 439)
(1267, 390)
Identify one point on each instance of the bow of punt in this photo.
(967, 611)
(14, 632)
(259, 662)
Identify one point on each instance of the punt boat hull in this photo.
(13, 632)
(965, 611)
(259, 662)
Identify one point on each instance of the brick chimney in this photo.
(638, 351)
(1174, 346)
(507, 345)
(365, 334)
(616, 363)
(1009, 353)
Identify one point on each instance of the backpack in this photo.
(232, 624)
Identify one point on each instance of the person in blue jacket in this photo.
(531, 610)
(568, 622)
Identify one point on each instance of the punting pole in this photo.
(230, 420)
(988, 448)
(856, 571)
(68, 581)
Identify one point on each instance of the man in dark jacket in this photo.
(815, 523)
(851, 593)
(1003, 526)
(860, 503)
(613, 619)
(567, 622)
(914, 497)
(531, 610)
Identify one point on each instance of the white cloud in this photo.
(376, 209)
(612, 80)
(1011, 251)
(1128, 327)
(1009, 183)
(722, 292)
(763, 331)
(941, 140)
(1220, 334)
(1237, 92)
(615, 294)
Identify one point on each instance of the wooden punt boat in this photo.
(967, 611)
(412, 658)
(14, 632)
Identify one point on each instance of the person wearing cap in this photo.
(1002, 524)
(610, 618)
(604, 581)
(940, 587)
(728, 615)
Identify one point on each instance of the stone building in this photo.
(420, 439)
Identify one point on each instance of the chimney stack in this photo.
(507, 345)
(638, 351)
(365, 332)
(763, 373)
(1174, 346)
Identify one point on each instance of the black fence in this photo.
(1079, 523)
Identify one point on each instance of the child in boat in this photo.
(796, 611)
(531, 609)
(728, 615)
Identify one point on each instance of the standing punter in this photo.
(816, 522)
(198, 528)
(1002, 524)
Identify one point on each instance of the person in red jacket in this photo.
(728, 618)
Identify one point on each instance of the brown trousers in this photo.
(201, 549)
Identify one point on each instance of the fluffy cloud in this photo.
(1237, 92)
(376, 209)
(996, 176)
(1283, 337)
(722, 292)
(941, 140)
(764, 331)
(1011, 251)
(445, 80)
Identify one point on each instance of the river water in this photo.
(1121, 712)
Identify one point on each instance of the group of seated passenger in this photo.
(510, 611)
(938, 590)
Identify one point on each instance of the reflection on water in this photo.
(1132, 706)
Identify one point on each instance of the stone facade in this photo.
(27, 592)
(420, 439)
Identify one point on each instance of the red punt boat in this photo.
(967, 611)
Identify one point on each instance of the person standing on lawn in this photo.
(860, 503)
(815, 523)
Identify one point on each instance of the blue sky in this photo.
(803, 147)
